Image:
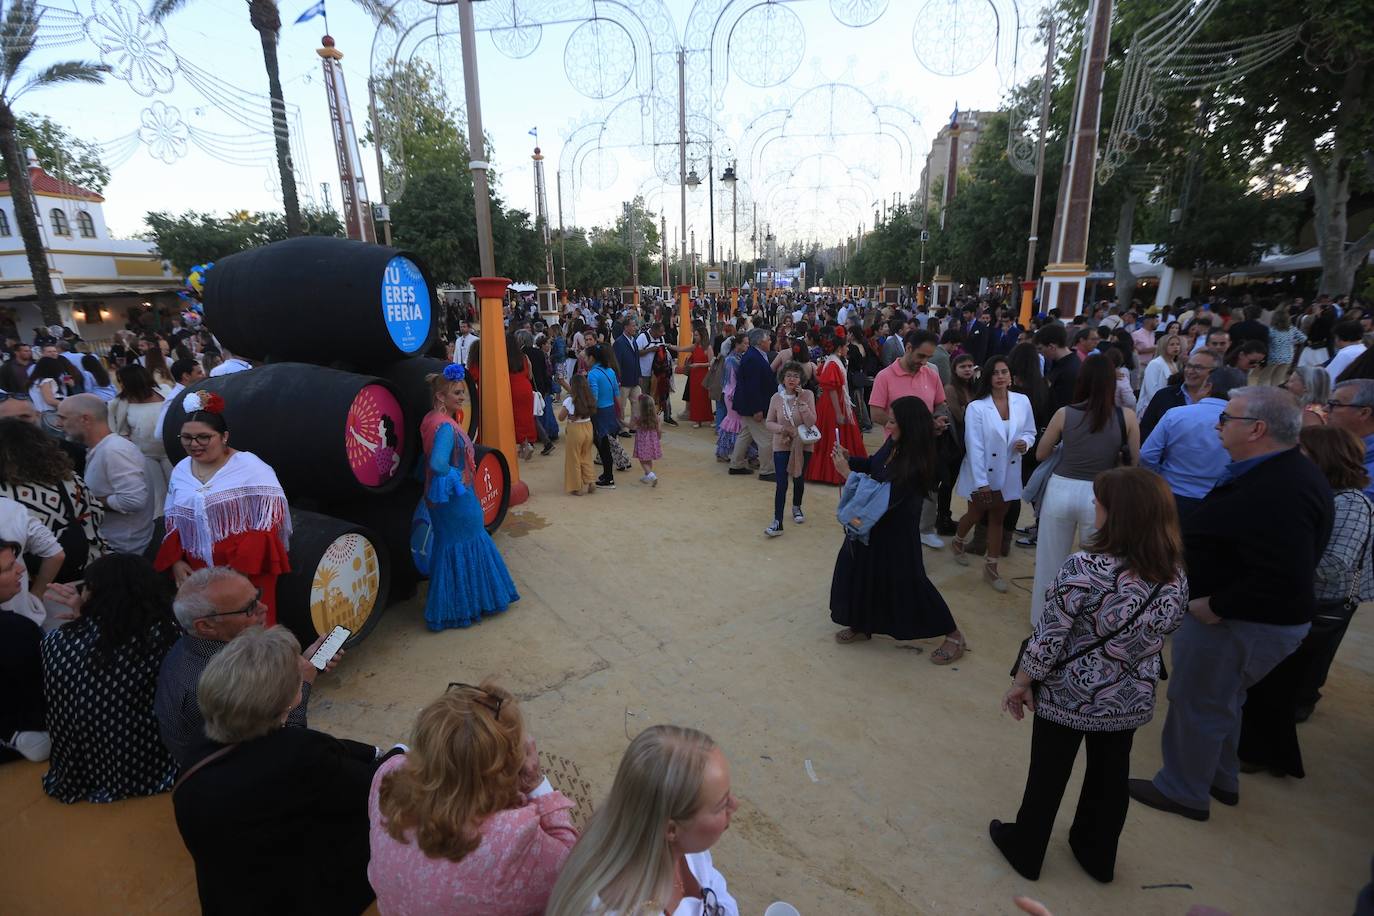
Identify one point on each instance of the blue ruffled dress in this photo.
(468, 579)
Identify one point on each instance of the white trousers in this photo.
(1066, 512)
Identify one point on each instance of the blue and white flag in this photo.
(316, 10)
(534, 131)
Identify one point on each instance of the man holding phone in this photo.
(213, 606)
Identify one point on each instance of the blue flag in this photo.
(534, 131)
(316, 10)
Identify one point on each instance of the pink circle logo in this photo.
(376, 436)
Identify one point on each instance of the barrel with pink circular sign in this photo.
(328, 434)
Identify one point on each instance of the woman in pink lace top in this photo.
(466, 822)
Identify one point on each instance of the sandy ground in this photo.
(866, 775)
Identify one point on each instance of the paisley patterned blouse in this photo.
(1111, 688)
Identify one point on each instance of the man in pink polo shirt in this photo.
(910, 376)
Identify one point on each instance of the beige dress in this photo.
(138, 424)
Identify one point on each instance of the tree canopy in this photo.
(192, 238)
(60, 153)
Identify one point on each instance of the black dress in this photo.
(881, 587)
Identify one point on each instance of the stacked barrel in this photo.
(341, 328)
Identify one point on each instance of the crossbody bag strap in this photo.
(202, 763)
(1353, 595)
(1114, 633)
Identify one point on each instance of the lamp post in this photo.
(728, 177)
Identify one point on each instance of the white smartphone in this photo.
(330, 647)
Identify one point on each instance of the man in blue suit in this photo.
(754, 387)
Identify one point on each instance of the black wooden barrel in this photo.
(492, 485)
(417, 398)
(340, 575)
(327, 434)
(322, 300)
(391, 518)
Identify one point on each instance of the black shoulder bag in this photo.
(1097, 644)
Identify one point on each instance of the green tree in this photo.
(192, 238)
(18, 38)
(59, 153)
(437, 219)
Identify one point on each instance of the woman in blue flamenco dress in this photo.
(468, 579)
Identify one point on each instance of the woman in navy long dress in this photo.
(468, 580)
(881, 587)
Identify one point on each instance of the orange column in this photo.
(684, 322)
(734, 302)
(1027, 301)
(498, 419)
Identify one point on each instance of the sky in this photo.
(851, 122)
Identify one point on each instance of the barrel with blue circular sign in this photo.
(322, 300)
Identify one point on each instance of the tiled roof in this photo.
(43, 183)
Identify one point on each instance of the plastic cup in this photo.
(780, 908)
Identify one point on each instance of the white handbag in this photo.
(807, 433)
(538, 404)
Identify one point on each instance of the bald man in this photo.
(115, 473)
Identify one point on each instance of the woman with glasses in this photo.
(647, 849)
(275, 818)
(100, 674)
(224, 507)
(465, 820)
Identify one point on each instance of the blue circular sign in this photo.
(405, 304)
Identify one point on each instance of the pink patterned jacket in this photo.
(510, 874)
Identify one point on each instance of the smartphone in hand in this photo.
(330, 647)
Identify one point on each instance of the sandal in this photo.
(849, 634)
(992, 576)
(943, 656)
(957, 545)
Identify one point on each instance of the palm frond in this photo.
(161, 9)
(70, 71)
(18, 35)
(380, 11)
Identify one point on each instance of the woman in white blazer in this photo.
(999, 427)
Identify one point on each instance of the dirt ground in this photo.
(866, 775)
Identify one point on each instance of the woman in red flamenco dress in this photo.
(224, 507)
(834, 416)
(521, 398)
(699, 407)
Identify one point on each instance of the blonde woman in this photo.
(1167, 364)
(647, 849)
(465, 821)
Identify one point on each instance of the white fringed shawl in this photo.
(244, 495)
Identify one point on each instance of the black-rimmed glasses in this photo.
(201, 439)
(247, 610)
(1333, 404)
(495, 710)
(1223, 418)
(16, 395)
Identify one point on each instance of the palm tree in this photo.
(18, 37)
(265, 17)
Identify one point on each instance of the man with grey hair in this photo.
(755, 384)
(1251, 549)
(116, 473)
(1352, 408)
(213, 606)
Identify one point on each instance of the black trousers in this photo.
(1102, 803)
(1319, 646)
(603, 451)
(22, 704)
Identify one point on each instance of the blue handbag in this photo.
(862, 502)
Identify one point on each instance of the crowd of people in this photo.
(1201, 472)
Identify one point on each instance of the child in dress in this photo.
(648, 447)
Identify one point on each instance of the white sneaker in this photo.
(932, 540)
(35, 746)
(653, 479)
(646, 478)
(774, 530)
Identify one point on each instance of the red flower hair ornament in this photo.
(207, 401)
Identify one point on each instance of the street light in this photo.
(693, 180)
(728, 177)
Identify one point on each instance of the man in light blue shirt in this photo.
(1184, 449)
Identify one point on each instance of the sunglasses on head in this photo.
(16, 395)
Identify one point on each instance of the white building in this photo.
(97, 279)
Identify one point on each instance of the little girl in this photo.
(648, 447)
(579, 475)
